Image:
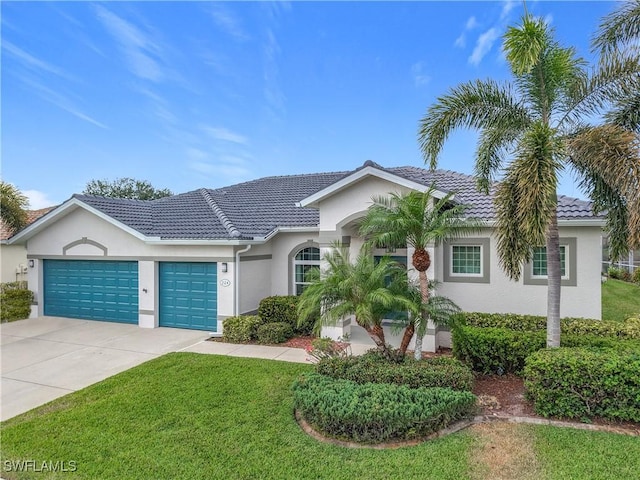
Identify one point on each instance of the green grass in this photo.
(212, 417)
(205, 416)
(620, 300)
(567, 453)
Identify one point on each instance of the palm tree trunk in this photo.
(554, 279)
(406, 338)
(424, 293)
(377, 335)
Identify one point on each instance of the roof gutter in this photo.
(236, 271)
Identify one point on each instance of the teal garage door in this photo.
(188, 295)
(91, 289)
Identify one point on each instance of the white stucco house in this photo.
(192, 260)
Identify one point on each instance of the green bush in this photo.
(585, 383)
(15, 301)
(503, 350)
(374, 413)
(284, 308)
(636, 275)
(241, 329)
(373, 367)
(275, 332)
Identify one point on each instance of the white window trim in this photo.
(567, 257)
(314, 263)
(470, 275)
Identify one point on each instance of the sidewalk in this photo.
(286, 354)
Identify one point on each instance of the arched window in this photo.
(304, 262)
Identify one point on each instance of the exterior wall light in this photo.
(31, 263)
(225, 267)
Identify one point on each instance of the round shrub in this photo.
(284, 308)
(375, 368)
(275, 332)
(241, 329)
(15, 300)
(585, 383)
(374, 413)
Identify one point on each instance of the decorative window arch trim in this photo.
(84, 241)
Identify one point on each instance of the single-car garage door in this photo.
(188, 295)
(91, 289)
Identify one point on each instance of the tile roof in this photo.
(32, 216)
(254, 209)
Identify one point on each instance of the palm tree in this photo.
(537, 121)
(365, 288)
(415, 219)
(438, 309)
(13, 205)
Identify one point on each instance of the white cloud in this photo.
(461, 41)
(224, 134)
(420, 78)
(227, 21)
(483, 45)
(141, 52)
(507, 6)
(38, 200)
(471, 23)
(32, 62)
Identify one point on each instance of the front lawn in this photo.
(620, 300)
(205, 416)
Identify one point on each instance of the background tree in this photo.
(365, 289)
(126, 188)
(539, 122)
(416, 219)
(13, 207)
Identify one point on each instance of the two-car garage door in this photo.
(108, 291)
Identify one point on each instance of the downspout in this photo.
(236, 274)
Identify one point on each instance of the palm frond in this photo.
(13, 206)
(475, 105)
(524, 44)
(619, 28)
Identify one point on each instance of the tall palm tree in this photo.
(538, 122)
(365, 288)
(415, 219)
(13, 205)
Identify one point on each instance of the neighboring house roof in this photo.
(32, 215)
(256, 209)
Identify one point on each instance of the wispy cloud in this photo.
(470, 24)
(483, 45)
(420, 78)
(142, 53)
(224, 134)
(60, 101)
(38, 199)
(273, 94)
(33, 63)
(228, 21)
(507, 6)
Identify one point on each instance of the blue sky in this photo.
(205, 94)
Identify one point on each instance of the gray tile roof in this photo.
(256, 208)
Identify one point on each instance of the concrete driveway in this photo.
(47, 357)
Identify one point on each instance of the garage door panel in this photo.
(91, 289)
(188, 295)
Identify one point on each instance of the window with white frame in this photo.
(466, 260)
(304, 262)
(539, 261)
(535, 271)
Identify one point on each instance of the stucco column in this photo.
(147, 295)
(342, 327)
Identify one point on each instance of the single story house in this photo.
(194, 259)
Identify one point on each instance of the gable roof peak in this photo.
(226, 223)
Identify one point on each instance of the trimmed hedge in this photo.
(276, 332)
(373, 367)
(500, 343)
(284, 308)
(374, 413)
(241, 329)
(585, 383)
(15, 301)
